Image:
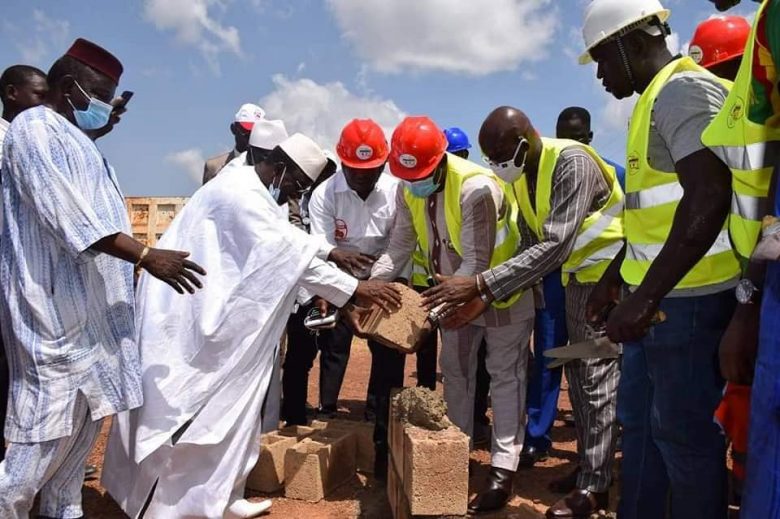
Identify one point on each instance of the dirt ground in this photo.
(365, 498)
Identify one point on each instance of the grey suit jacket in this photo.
(215, 164)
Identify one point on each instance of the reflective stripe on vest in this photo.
(600, 236)
(652, 197)
(749, 149)
(507, 236)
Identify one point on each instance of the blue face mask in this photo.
(276, 190)
(423, 188)
(95, 116)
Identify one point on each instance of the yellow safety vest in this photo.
(652, 197)
(749, 150)
(600, 236)
(507, 236)
(419, 268)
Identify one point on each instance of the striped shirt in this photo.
(67, 312)
(578, 189)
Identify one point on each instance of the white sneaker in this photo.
(244, 509)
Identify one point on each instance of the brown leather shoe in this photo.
(579, 504)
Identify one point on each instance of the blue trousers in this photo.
(674, 455)
(544, 384)
(761, 499)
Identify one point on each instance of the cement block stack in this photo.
(428, 473)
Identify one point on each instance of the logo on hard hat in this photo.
(341, 230)
(696, 53)
(364, 152)
(408, 161)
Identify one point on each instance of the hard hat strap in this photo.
(626, 64)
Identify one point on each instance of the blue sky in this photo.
(318, 63)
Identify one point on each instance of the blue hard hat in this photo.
(457, 139)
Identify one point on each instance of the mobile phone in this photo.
(315, 320)
(126, 96)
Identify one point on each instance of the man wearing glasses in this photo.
(571, 207)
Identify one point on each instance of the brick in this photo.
(268, 474)
(317, 465)
(399, 506)
(436, 471)
(395, 434)
(364, 436)
(402, 328)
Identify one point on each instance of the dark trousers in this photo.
(483, 387)
(544, 384)
(4, 390)
(302, 346)
(387, 372)
(673, 452)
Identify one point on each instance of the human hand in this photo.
(631, 319)
(451, 290)
(172, 267)
(603, 298)
(739, 345)
(354, 315)
(351, 261)
(464, 314)
(385, 294)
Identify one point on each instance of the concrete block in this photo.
(436, 471)
(317, 465)
(268, 474)
(402, 328)
(399, 506)
(364, 436)
(395, 434)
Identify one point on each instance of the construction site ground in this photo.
(363, 497)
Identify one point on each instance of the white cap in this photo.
(248, 115)
(267, 134)
(605, 19)
(306, 154)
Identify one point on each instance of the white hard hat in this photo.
(607, 18)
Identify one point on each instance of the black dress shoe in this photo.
(565, 484)
(497, 493)
(578, 504)
(530, 456)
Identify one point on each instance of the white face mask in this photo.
(508, 171)
(275, 190)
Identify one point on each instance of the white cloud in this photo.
(47, 40)
(194, 24)
(673, 43)
(190, 161)
(321, 110)
(460, 36)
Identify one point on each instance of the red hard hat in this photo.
(417, 148)
(362, 145)
(719, 39)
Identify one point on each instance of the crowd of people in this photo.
(198, 345)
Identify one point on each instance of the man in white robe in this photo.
(207, 360)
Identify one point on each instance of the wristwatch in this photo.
(747, 292)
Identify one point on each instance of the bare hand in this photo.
(351, 261)
(632, 318)
(465, 314)
(321, 305)
(453, 290)
(172, 267)
(739, 345)
(354, 315)
(385, 294)
(603, 298)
